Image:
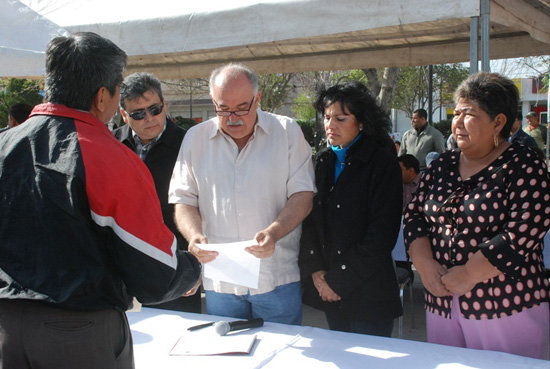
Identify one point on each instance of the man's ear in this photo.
(123, 115)
(99, 100)
(258, 97)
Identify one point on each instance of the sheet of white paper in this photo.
(195, 343)
(233, 264)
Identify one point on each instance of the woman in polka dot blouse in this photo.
(475, 230)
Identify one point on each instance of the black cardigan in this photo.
(352, 230)
(160, 160)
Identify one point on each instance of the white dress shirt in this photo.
(241, 193)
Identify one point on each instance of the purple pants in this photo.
(526, 333)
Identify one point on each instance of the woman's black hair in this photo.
(356, 99)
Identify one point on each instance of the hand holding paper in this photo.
(233, 263)
(264, 246)
(204, 256)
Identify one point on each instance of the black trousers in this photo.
(38, 336)
(338, 321)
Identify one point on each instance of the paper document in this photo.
(233, 264)
(211, 343)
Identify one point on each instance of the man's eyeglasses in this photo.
(122, 88)
(239, 113)
(140, 114)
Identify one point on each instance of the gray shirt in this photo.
(420, 144)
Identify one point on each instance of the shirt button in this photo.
(338, 206)
(343, 267)
(339, 252)
(312, 252)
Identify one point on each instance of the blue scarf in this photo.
(341, 157)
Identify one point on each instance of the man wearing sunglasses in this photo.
(156, 139)
(246, 174)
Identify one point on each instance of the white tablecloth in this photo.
(283, 346)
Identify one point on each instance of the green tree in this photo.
(412, 91)
(184, 123)
(444, 126)
(275, 89)
(14, 90)
(303, 106)
(308, 129)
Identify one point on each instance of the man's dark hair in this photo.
(519, 116)
(20, 112)
(422, 113)
(77, 66)
(409, 161)
(138, 84)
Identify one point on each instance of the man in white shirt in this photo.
(246, 174)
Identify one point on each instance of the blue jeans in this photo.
(282, 305)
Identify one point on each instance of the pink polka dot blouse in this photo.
(504, 211)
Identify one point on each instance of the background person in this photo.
(347, 242)
(421, 139)
(517, 134)
(246, 174)
(410, 170)
(475, 230)
(18, 113)
(156, 140)
(82, 232)
(535, 130)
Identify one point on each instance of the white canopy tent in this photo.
(180, 40)
(24, 35)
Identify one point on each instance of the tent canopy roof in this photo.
(175, 40)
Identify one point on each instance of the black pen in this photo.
(200, 326)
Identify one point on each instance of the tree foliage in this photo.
(192, 87)
(184, 123)
(275, 89)
(302, 106)
(16, 90)
(412, 91)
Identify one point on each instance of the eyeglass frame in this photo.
(122, 88)
(237, 113)
(144, 112)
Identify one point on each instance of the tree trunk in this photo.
(391, 76)
(382, 92)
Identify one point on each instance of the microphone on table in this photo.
(222, 328)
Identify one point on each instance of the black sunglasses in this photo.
(140, 114)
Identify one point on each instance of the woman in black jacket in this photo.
(347, 241)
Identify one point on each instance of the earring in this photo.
(495, 140)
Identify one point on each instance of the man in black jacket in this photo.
(156, 140)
